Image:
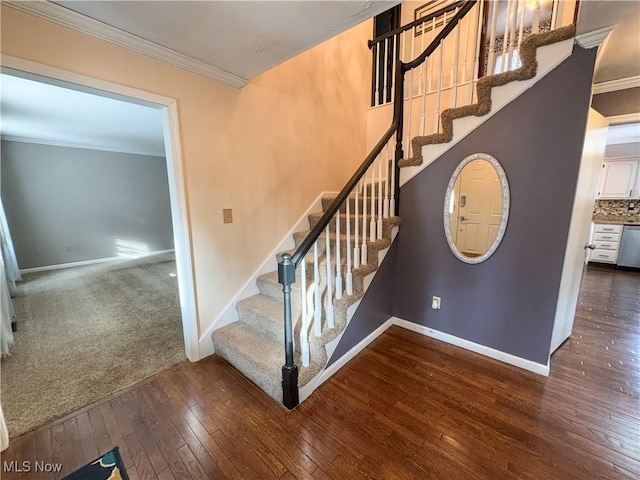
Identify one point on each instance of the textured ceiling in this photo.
(244, 38)
(620, 54)
(41, 113)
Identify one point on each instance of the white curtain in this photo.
(9, 274)
(4, 433)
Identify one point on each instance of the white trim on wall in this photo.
(177, 193)
(68, 18)
(95, 261)
(594, 38)
(229, 313)
(519, 362)
(86, 146)
(615, 85)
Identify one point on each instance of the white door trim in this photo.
(175, 169)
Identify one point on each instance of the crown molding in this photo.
(69, 18)
(615, 85)
(595, 38)
(628, 118)
(82, 145)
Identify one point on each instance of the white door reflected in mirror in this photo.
(476, 208)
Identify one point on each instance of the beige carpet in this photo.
(86, 332)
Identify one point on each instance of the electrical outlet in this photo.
(227, 216)
(67, 248)
(435, 303)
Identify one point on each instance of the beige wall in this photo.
(266, 150)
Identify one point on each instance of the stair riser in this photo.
(352, 220)
(326, 202)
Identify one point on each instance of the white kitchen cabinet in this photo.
(620, 179)
(606, 239)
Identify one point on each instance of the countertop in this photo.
(617, 219)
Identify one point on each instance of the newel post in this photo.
(287, 276)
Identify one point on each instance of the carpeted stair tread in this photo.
(256, 356)
(265, 314)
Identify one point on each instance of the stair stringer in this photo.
(229, 313)
(547, 58)
(306, 390)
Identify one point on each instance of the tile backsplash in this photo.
(617, 208)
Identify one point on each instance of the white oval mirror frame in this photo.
(504, 186)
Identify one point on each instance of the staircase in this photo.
(253, 344)
(334, 260)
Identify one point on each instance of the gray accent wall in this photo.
(508, 302)
(70, 204)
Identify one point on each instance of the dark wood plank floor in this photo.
(408, 407)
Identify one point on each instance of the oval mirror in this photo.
(476, 208)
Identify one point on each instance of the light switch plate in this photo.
(227, 216)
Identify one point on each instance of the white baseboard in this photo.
(331, 370)
(520, 362)
(93, 262)
(250, 288)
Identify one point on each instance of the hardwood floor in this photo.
(408, 407)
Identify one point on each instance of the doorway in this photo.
(180, 274)
(170, 123)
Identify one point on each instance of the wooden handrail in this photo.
(415, 23)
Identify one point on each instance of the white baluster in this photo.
(376, 98)
(349, 275)
(384, 71)
(304, 330)
(380, 199)
(329, 307)
(338, 263)
(372, 223)
(505, 39)
(454, 65)
(476, 65)
(535, 24)
(431, 62)
(439, 92)
(363, 250)
(409, 114)
(554, 15)
(356, 245)
(423, 86)
(392, 188)
(523, 7)
(492, 38)
(467, 23)
(385, 208)
(421, 50)
(396, 38)
(317, 308)
(512, 35)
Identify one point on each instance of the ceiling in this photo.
(244, 38)
(38, 112)
(620, 54)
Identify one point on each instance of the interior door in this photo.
(586, 189)
(479, 209)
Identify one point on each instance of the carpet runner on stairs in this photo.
(255, 343)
